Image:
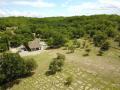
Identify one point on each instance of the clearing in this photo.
(90, 73)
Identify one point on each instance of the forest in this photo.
(56, 31)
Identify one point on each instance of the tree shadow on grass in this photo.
(8, 85)
(49, 73)
(85, 55)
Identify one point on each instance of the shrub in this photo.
(71, 49)
(99, 38)
(105, 46)
(68, 81)
(56, 65)
(60, 56)
(84, 44)
(117, 39)
(86, 54)
(12, 66)
(88, 50)
(100, 53)
(30, 65)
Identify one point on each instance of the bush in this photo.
(88, 50)
(99, 38)
(56, 65)
(71, 49)
(100, 53)
(60, 56)
(117, 39)
(68, 81)
(84, 44)
(30, 65)
(105, 46)
(3, 47)
(12, 66)
(86, 54)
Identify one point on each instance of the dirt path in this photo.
(27, 53)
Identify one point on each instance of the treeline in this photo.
(56, 31)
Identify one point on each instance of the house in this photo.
(37, 44)
(34, 45)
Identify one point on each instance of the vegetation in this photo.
(99, 39)
(87, 72)
(100, 53)
(56, 65)
(105, 46)
(12, 66)
(56, 31)
(68, 81)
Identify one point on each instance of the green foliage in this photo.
(71, 49)
(76, 43)
(77, 33)
(57, 30)
(56, 65)
(3, 44)
(16, 41)
(88, 50)
(100, 53)
(3, 47)
(12, 66)
(105, 46)
(83, 44)
(99, 39)
(60, 56)
(57, 40)
(30, 65)
(68, 81)
(117, 39)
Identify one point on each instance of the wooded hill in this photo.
(56, 31)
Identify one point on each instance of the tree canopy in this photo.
(56, 31)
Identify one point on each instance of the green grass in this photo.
(89, 73)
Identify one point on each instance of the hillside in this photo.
(90, 46)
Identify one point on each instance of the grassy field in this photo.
(89, 73)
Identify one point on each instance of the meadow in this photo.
(90, 72)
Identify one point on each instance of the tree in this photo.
(12, 66)
(99, 38)
(3, 44)
(3, 47)
(76, 43)
(57, 40)
(56, 65)
(87, 52)
(60, 56)
(68, 81)
(105, 46)
(30, 65)
(77, 33)
(117, 39)
(16, 41)
(100, 53)
(71, 49)
(84, 44)
(111, 31)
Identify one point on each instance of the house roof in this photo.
(34, 44)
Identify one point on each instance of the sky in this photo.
(53, 8)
